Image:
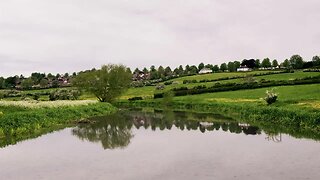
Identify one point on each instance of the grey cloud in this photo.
(73, 35)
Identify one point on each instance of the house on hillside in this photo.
(205, 71)
(243, 69)
(138, 76)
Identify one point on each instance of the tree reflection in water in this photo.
(114, 131)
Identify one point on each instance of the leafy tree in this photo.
(236, 65)
(36, 77)
(44, 83)
(200, 66)
(176, 71)
(145, 70)
(266, 63)
(251, 63)
(187, 69)
(286, 63)
(215, 68)
(209, 66)
(128, 69)
(223, 67)
(258, 64)
(193, 69)
(180, 70)
(2, 84)
(136, 70)
(161, 72)
(55, 83)
(231, 67)
(66, 75)
(153, 73)
(107, 83)
(316, 60)
(50, 76)
(167, 71)
(10, 82)
(27, 83)
(275, 63)
(296, 62)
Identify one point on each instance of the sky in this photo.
(61, 36)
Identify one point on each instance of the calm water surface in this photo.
(158, 145)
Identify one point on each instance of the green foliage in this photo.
(27, 84)
(316, 60)
(20, 123)
(266, 63)
(296, 62)
(223, 67)
(275, 63)
(286, 63)
(64, 94)
(44, 83)
(271, 96)
(107, 83)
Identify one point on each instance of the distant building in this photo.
(244, 68)
(138, 76)
(205, 71)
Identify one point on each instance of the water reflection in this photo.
(112, 131)
(115, 131)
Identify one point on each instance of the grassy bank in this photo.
(25, 119)
(297, 106)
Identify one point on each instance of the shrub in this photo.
(271, 97)
(64, 94)
(135, 98)
(160, 87)
(168, 82)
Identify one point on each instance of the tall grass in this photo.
(17, 120)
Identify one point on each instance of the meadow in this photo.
(147, 92)
(297, 106)
(24, 118)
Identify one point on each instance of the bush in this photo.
(160, 87)
(271, 97)
(64, 94)
(168, 82)
(135, 98)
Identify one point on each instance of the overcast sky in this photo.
(73, 35)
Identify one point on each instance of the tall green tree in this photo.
(200, 66)
(215, 68)
(296, 62)
(316, 61)
(275, 63)
(231, 67)
(161, 72)
(286, 63)
(223, 67)
(2, 84)
(236, 65)
(266, 63)
(27, 84)
(258, 64)
(167, 71)
(44, 83)
(107, 83)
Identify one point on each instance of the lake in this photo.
(150, 144)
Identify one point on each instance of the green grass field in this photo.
(148, 91)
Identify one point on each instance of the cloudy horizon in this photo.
(57, 36)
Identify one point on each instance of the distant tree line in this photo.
(36, 81)
(41, 80)
(295, 62)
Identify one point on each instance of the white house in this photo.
(244, 68)
(205, 71)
